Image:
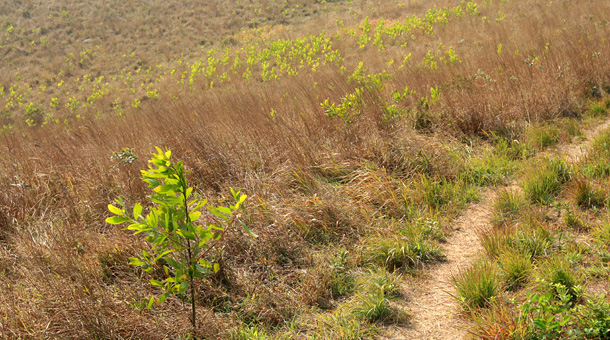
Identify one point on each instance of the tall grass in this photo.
(316, 183)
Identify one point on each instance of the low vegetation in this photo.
(551, 259)
(359, 130)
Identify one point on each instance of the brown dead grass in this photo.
(315, 183)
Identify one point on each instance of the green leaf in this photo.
(186, 234)
(137, 210)
(164, 253)
(172, 262)
(164, 189)
(242, 199)
(156, 283)
(248, 230)
(150, 302)
(194, 215)
(216, 212)
(115, 210)
(116, 220)
(215, 227)
(134, 261)
(162, 298)
(225, 210)
(205, 264)
(216, 267)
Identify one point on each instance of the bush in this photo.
(594, 318)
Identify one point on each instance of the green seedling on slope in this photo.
(180, 245)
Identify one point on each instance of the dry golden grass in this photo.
(316, 184)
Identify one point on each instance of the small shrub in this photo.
(545, 317)
(477, 285)
(180, 245)
(594, 318)
(33, 116)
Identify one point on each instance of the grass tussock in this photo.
(542, 183)
(401, 252)
(476, 286)
(508, 207)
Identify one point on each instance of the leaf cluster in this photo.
(179, 241)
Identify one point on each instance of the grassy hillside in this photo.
(359, 130)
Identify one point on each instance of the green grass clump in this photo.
(573, 220)
(543, 183)
(541, 137)
(373, 306)
(512, 149)
(477, 285)
(586, 196)
(424, 227)
(401, 252)
(515, 269)
(598, 109)
(442, 193)
(601, 144)
(602, 234)
(339, 325)
(597, 168)
(533, 241)
(376, 289)
(530, 241)
(252, 332)
(507, 207)
(560, 278)
(488, 169)
(379, 279)
(495, 242)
